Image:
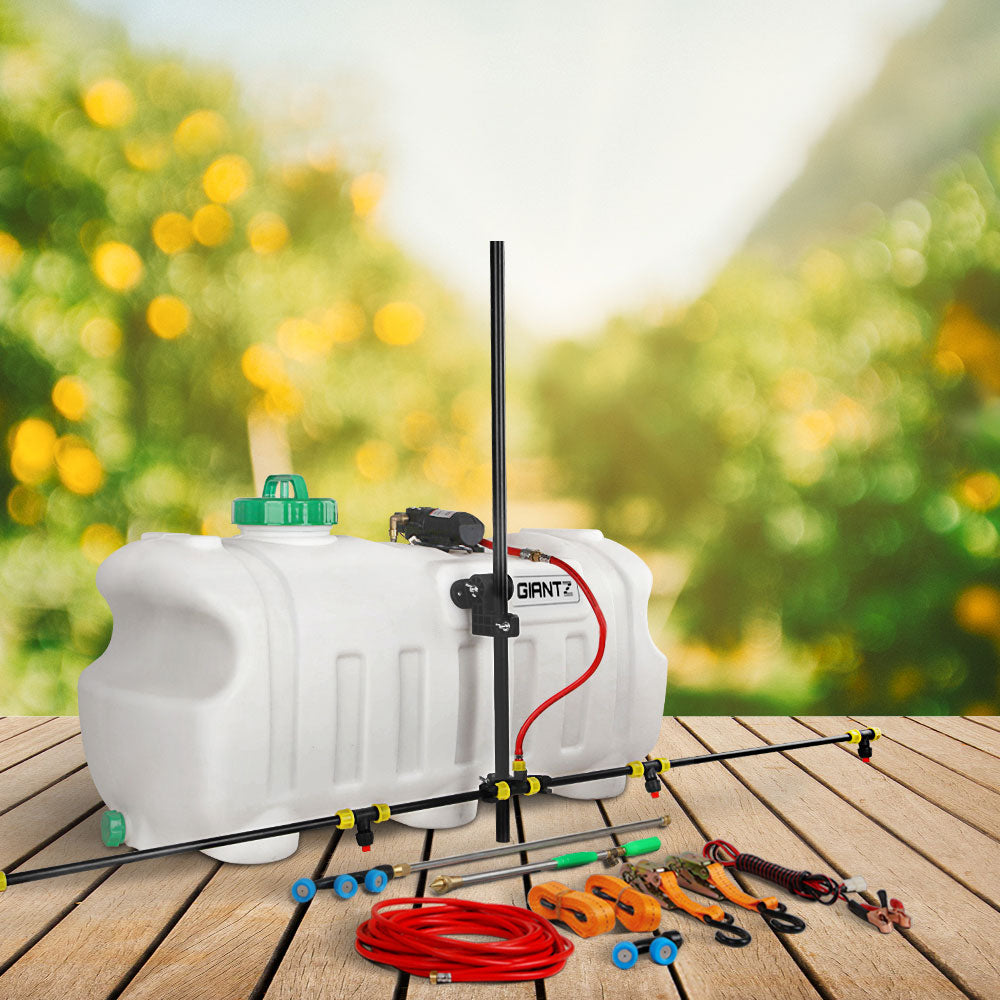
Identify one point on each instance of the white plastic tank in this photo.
(288, 672)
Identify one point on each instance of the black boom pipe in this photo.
(224, 840)
(708, 758)
(501, 669)
(364, 817)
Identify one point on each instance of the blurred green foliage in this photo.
(822, 442)
(181, 313)
(175, 306)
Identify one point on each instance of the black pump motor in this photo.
(444, 529)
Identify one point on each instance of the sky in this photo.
(623, 150)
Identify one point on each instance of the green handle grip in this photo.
(575, 859)
(646, 846)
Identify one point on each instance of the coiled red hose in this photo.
(602, 639)
(419, 941)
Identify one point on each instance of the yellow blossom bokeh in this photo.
(168, 316)
(227, 178)
(399, 323)
(109, 103)
(118, 266)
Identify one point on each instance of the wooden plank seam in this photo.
(883, 825)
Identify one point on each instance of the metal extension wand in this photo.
(377, 878)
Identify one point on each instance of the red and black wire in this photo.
(808, 885)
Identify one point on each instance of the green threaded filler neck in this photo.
(285, 501)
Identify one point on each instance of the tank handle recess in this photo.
(286, 481)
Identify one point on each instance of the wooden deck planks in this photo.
(590, 971)
(27, 911)
(33, 822)
(970, 761)
(990, 721)
(967, 855)
(99, 942)
(923, 820)
(705, 967)
(217, 950)
(36, 773)
(12, 725)
(478, 835)
(35, 740)
(959, 795)
(951, 925)
(320, 962)
(970, 733)
(837, 950)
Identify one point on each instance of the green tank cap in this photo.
(112, 828)
(276, 505)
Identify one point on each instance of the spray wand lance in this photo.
(445, 883)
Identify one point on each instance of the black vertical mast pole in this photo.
(501, 679)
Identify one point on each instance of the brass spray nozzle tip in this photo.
(445, 883)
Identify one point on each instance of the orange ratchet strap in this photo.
(583, 913)
(636, 910)
(662, 885)
(672, 890)
(718, 877)
(777, 917)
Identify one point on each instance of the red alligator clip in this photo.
(884, 916)
(897, 914)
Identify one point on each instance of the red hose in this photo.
(602, 639)
(418, 941)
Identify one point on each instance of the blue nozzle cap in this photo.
(303, 890)
(345, 886)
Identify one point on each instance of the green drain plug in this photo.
(112, 828)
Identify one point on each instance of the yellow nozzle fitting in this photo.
(637, 769)
(383, 811)
(345, 819)
(664, 764)
(503, 791)
(534, 785)
(855, 735)
(518, 765)
(3, 881)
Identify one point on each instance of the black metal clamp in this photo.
(476, 594)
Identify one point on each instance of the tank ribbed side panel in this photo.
(348, 762)
(413, 711)
(574, 705)
(469, 680)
